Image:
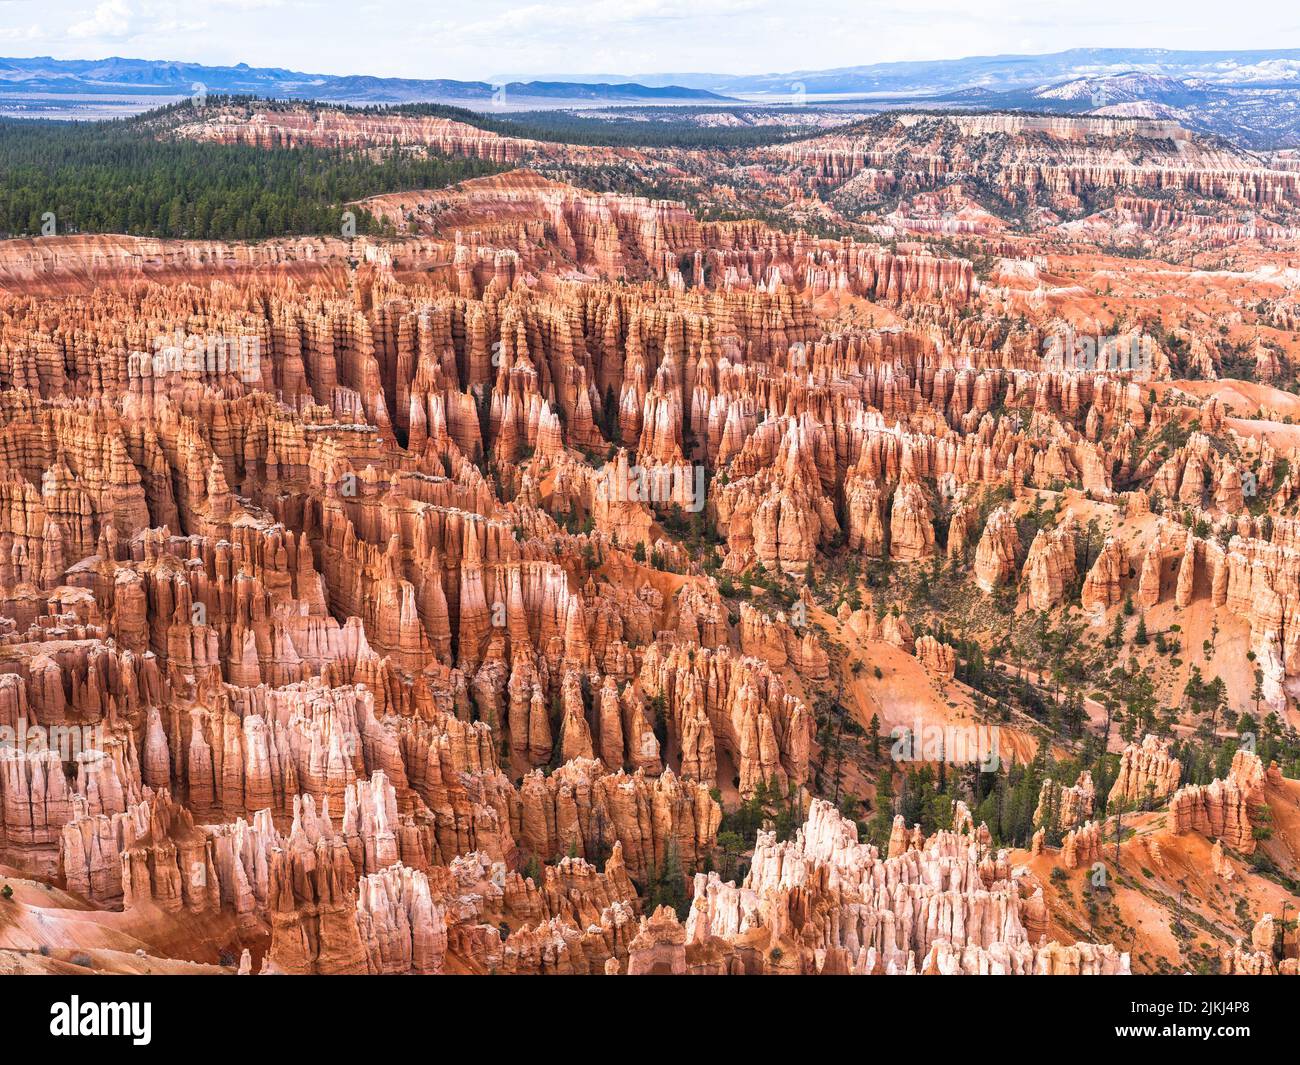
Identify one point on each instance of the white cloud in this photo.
(115, 21)
(21, 33)
(111, 19)
(245, 5)
(550, 19)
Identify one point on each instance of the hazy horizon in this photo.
(622, 38)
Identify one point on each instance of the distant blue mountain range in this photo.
(997, 73)
(142, 77)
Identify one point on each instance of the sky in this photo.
(488, 39)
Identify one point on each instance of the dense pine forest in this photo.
(641, 128)
(115, 177)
